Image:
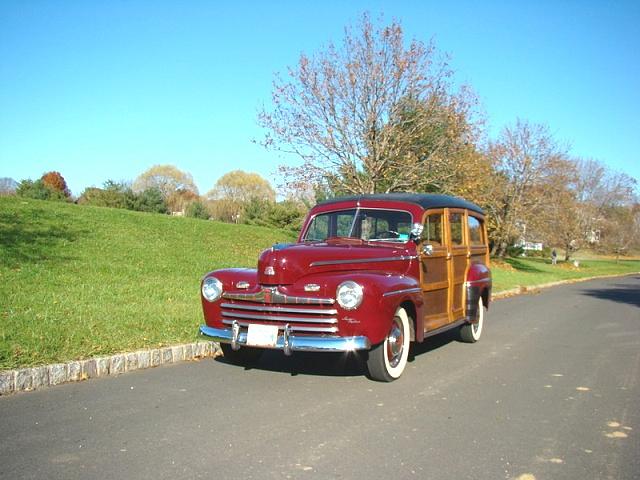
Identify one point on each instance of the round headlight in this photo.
(211, 289)
(349, 295)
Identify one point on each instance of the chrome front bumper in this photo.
(288, 342)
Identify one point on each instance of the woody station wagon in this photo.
(368, 274)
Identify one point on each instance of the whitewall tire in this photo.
(471, 332)
(388, 359)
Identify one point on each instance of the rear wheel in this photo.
(470, 332)
(388, 359)
(242, 356)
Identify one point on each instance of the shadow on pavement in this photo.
(433, 343)
(307, 363)
(617, 293)
(334, 364)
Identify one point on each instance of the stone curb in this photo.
(26, 379)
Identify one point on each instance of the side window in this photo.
(455, 221)
(432, 233)
(319, 228)
(475, 231)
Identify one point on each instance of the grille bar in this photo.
(265, 308)
(280, 318)
(292, 328)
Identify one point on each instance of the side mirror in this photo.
(427, 249)
(416, 232)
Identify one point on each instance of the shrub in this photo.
(514, 251)
(39, 191)
(197, 210)
(113, 194)
(544, 253)
(150, 200)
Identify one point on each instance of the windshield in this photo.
(366, 224)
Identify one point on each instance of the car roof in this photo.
(425, 200)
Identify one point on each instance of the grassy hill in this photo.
(78, 281)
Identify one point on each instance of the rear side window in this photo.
(475, 231)
(455, 221)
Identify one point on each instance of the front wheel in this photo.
(470, 332)
(388, 359)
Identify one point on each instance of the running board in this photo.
(445, 328)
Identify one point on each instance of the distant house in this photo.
(524, 244)
(8, 186)
(593, 236)
(537, 246)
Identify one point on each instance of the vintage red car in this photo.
(368, 274)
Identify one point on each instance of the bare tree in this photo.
(528, 159)
(621, 229)
(579, 199)
(598, 190)
(558, 219)
(343, 110)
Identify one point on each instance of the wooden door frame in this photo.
(435, 321)
(460, 251)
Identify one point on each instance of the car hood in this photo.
(285, 264)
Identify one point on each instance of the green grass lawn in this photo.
(78, 281)
(515, 272)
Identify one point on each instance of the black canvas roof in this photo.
(425, 200)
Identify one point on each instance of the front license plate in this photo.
(262, 335)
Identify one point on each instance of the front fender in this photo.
(383, 294)
(230, 277)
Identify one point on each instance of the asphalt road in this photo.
(550, 392)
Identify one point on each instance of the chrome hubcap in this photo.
(395, 343)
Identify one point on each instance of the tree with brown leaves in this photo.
(166, 178)
(233, 192)
(55, 181)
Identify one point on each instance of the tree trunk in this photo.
(502, 249)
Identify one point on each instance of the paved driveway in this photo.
(551, 391)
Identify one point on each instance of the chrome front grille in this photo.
(301, 315)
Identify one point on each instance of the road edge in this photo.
(34, 378)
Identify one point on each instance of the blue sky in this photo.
(104, 90)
